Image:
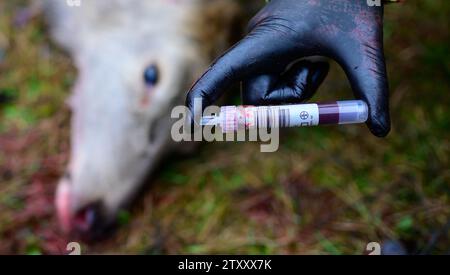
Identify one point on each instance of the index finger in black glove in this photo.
(256, 54)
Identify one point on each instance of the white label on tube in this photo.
(300, 115)
(269, 117)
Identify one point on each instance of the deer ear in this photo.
(65, 22)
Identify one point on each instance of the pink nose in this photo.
(63, 205)
(80, 222)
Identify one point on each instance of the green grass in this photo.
(329, 190)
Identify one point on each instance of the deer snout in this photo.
(88, 222)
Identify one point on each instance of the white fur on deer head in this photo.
(121, 123)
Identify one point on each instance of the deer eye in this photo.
(151, 76)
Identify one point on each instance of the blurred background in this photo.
(328, 190)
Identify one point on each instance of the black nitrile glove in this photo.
(348, 31)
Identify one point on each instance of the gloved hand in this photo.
(348, 31)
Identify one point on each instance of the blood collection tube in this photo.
(234, 118)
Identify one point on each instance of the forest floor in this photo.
(328, 190)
